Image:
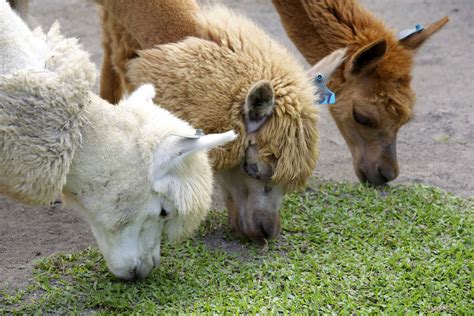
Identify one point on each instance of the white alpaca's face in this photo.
(129, 217)
(132, 249)
(133, 193)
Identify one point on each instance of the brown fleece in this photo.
(154, 22)
(205, 80)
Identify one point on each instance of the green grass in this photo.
(344, 249)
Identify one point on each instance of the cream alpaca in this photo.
(120, 166)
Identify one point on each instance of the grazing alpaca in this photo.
(122, 167)
(231, 75)
(373, 86)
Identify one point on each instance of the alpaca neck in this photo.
(19, 48)
(319, 29)
(154, 22)
(306, 35)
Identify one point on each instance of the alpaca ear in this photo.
(174, 148)
(368, 56)
(328, 64)
(259, 105)
(414, 41)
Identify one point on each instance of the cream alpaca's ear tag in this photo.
(409, 32)
(198, 134)
(326, 96)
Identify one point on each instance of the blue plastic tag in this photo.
(409, 32)
(198, 134)
(326, 96)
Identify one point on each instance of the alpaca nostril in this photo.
(387, 174)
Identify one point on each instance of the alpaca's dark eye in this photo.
(362, 119)
(163, 212)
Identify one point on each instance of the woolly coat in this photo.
(56, 137)
(41, 116)
(205, 81)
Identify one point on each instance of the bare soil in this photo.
(436, 147)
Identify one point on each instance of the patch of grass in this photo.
(344, 248)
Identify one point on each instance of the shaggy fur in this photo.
(45, 143)
(211, 75)
(374, 81)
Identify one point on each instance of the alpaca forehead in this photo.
(386, 107)
(391, 98)
(399, 102)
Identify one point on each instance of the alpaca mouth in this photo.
(377, 181)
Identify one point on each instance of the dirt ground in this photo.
(436, 147)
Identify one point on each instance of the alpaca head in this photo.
(139, 179)
(375, 99)
(252, 197)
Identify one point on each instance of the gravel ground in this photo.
(435, 148)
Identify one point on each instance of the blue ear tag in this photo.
(326, 96)
(198, 134)
(409, 32)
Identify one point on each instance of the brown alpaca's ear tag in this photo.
(409, 32)
(326, 96)
(415, 37)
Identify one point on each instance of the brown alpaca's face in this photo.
(374, 100)
(253, 204)
(369, 111)
(253, 201)
(370, 128)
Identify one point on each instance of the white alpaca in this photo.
(123, 167)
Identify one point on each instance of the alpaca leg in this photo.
(110, 84)
(110, 87)
(119, 49)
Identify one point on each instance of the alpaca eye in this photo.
(361, 119)
(252, 170)
(163, 212)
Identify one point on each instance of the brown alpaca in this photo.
(374, 96)
(231, 75)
